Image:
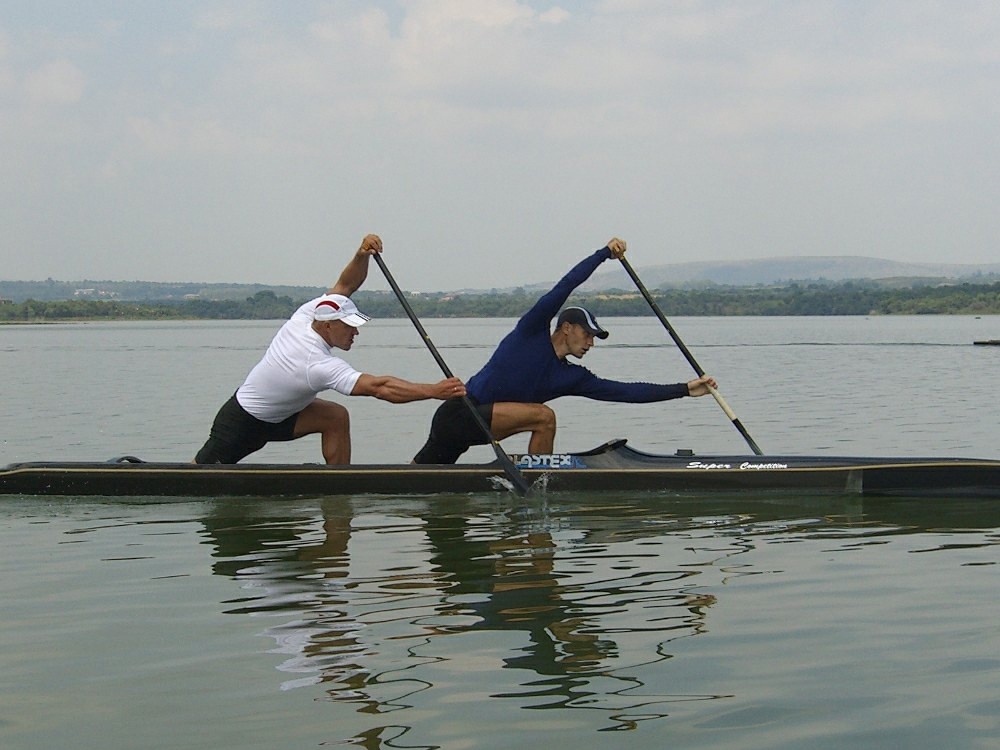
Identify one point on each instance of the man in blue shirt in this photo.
(529, 367)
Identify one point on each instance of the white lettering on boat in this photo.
(745, 466)
(549, 461)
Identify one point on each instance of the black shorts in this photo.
(453, 430)
(236, 434)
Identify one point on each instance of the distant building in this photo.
(5, 301)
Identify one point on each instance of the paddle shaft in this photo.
(688, 356)
(515, 476)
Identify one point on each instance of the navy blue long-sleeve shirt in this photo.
(525, 369)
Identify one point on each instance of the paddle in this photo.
(690, 357)
(516, 478)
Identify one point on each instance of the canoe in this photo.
(614, 466)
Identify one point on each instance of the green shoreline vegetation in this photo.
(847, 298)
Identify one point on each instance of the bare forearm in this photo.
(352, 277)
(356, 270)
(398, 391)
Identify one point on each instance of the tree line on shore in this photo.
(848, 298)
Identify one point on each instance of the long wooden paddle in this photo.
(690, 357)
(516, 478)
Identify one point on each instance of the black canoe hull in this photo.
(612, 467)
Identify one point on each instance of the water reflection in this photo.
(564, 608)
(559, 603)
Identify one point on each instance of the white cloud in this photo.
(447, 68)
(554, 15)
(227, 16)
(448, 45)
(443, 19)
(498, 119)
(7, 78)
(59, 82)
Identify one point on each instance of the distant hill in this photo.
(779, 270)
(766, 271)
(143, 291)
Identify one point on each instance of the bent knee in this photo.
(322, 416)
(545, 417)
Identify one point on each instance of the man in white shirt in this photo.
(278, 400)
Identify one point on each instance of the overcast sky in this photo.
(490, 142)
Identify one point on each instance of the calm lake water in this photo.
(611, 620)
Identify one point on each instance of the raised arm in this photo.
(398, 391)
(356, 271)
(549, 304)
